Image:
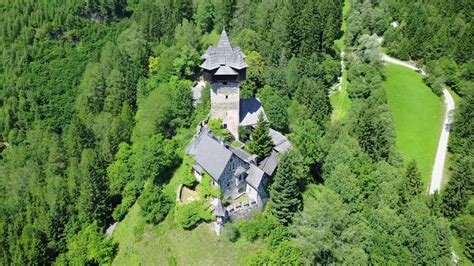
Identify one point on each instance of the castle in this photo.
(224, 67)
(234, 171)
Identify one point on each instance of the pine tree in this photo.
(285, 193)
(412, 185)
(458, 190)
(261, 143)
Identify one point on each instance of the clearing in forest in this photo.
(418, 115)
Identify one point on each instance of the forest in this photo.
(96, 110)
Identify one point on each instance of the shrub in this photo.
(261, 257)
(188, 215)
(231, 232)
(206, 189)
(277, 236)
(434, 84)
(129, 195)
(185, 173)
(258, 227)
(216, 126)
(154, 204)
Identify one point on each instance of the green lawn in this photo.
(341, 104)
(144, 244)
(418, 115)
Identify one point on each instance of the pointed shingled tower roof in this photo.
(224, 57)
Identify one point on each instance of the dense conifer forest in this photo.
(96, 110)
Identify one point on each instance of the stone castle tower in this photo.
(224, 67)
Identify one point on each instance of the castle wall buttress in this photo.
(225, 104)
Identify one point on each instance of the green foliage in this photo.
(119, 172)
(153, 158)
(261, 226)
(231, 232)
(255, 75)
(216, 126)
(206, 189)
(285, 193)
(463, 226)
(260, 143)
(188, 215)
(307, 138)
(412, 184)
(276, 108)
(204, 15)
(187, 63)
(89, 246)
(185, 172)
(319, 226)
(458, 189)
(244, 133)
(313, 96)
(462, 138)
(129, 195)
(154, 204)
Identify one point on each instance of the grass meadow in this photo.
(418, 115)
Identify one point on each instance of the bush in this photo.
(188, 215)
(154, 204)
(277, 236)
(434, 84)
(258, 227)
(206, 189)
(216, 126)
(129, 196)
(231, 232)
(185, 173)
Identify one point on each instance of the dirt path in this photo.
(438, 167)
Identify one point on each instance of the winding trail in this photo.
(440, 159)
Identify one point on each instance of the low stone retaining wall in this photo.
(243, 211)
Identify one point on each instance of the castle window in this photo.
(228, 184)
(224, 125)
(225, 82)
(227, 96)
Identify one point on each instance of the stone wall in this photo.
(231, 186)
(225, 104)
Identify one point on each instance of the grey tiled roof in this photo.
(245, 156)
(280, 142)
(283, 146)
(250, 109)
(224, 56)
(255, 176)
(209, 154)
(269, 164)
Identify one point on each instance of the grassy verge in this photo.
(341, 104)
(418, 115)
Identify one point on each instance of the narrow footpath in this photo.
(438, 167)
